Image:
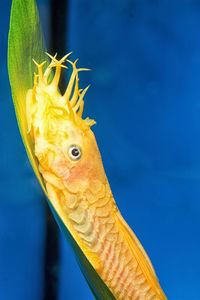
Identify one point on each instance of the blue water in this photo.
(145, 97)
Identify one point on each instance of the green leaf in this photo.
(26, 42)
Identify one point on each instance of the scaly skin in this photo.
(79, 189)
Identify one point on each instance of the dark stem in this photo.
(59, 31)
(57, 45)
(51, 257)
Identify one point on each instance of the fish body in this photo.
(76, 183)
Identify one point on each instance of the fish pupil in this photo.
(75, 152)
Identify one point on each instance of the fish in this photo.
(74, 177)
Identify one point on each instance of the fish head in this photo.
(64, 143)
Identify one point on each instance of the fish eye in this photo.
(74, 152)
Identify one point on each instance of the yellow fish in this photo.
(76, 184)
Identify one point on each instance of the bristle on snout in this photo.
(73, 99)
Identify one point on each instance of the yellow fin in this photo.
(141, 256)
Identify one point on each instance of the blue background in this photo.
(145, 97)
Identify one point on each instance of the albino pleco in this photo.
(72, 169)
